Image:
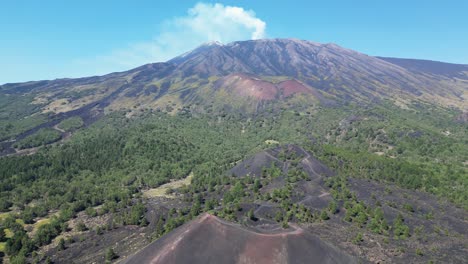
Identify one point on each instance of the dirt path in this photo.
(324, 194)
(296, 229)
(24, 152)
(273, 157)
(307, 162)
(30, 151)
(58, 129)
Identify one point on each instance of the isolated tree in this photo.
(98, 230)
(278, 216)
(251, 215)
(257, 185)
(358, 239)
(160, 226)
(400, 230)
(333, 207)
(408, 207)
(361, 218)
(196, 208)
(61, 244)
(81, 226)
(324, 215)
(110, 255)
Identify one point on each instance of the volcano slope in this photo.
(209, 239)
(379, 124)
(303, 212)
(248, 77)
(291, 184)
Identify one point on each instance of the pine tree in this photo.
(251, 215)
(358, 239)
(400, 230)
(324, 215)
(333, 207)
(110, 255)
(61, 244)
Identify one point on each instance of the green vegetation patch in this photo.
(8, 233)
(72, 123)
(20, 221)
(16, 115)
(42, 137)
(3, 216)
(10, 128)
(104, 167)
(40, 223)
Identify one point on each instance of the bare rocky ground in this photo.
(209, 239)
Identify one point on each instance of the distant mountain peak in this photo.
(212, 43)
(254, 73)
(327, 69)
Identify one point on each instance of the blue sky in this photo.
(51, 39)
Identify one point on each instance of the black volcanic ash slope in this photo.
(208, 238)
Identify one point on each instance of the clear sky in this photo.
(51, 39)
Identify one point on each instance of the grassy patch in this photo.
(8, 233)
(271, 142)
(20, 221)
(162, 191)
(39, 223)
(3, 216)
(71, 123)
(2, 246)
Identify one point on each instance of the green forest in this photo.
(109, 163)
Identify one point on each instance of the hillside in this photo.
(208, 239)
(248, 77)
(316, 150)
